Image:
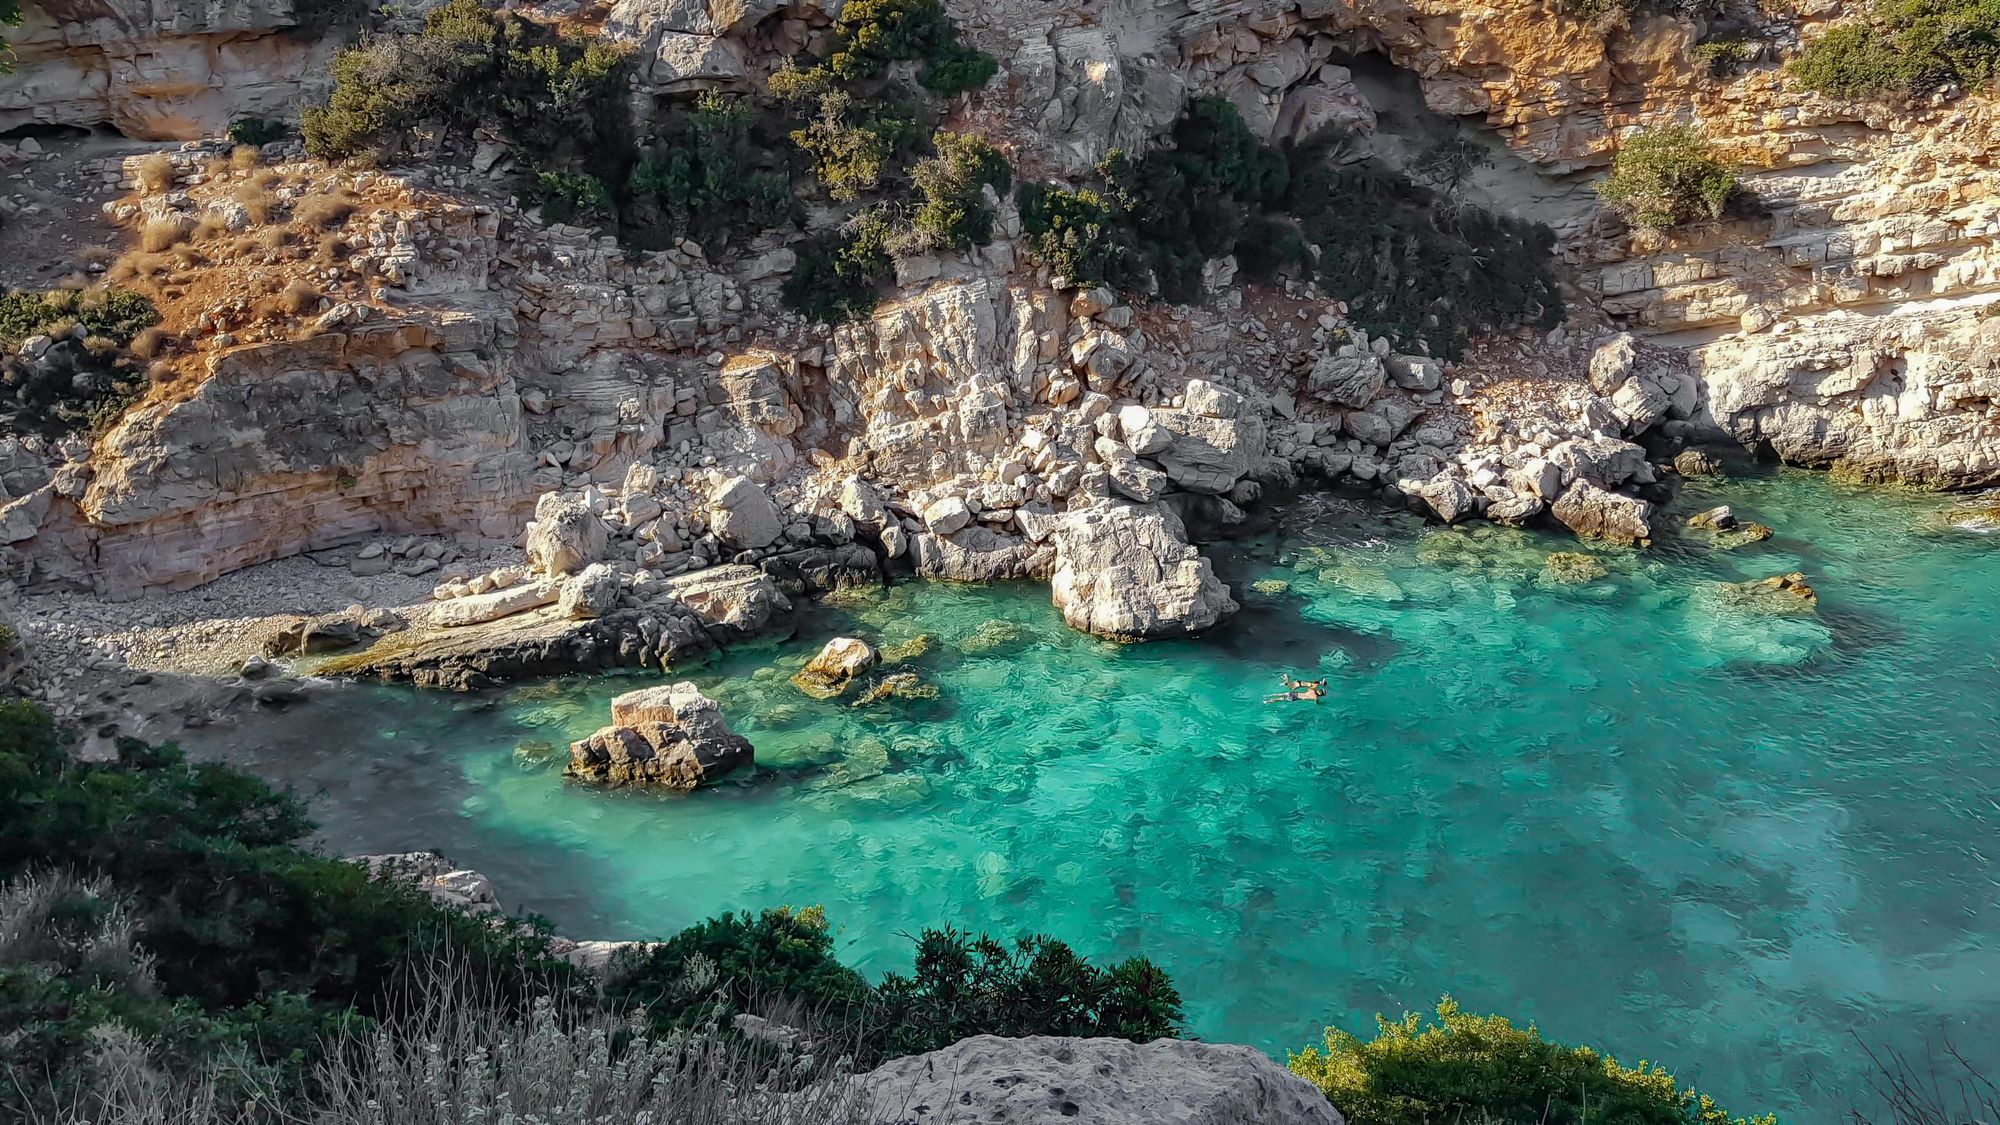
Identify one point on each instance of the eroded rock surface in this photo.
(1045, 1080)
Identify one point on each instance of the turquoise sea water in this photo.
(1743, 845)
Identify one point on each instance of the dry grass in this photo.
(149, 343)
(156, 173)
(260, 202)
(274, 239)
(330, 252)
(96, 256)
(210, 225)
(326, 211)
(245, 157)
(161, 234)
(299, 298)
(100, 346)
(162, 372)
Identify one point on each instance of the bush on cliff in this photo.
(1668, 177)
(1482, 1068)
(1412, 263)
(951, 186)
(77, 381)
(871, 34)
(708, 175)
(553, 93)
(10, 16)
(1905, 48)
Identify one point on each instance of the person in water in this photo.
(1298, 690)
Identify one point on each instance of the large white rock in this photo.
(567, 535)
(1126, 571)
(742, 516)
(1046, 1080)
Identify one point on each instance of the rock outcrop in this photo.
(669, 737)
(1045, 1080)
(836, 666)
(160, 71)
(1126, 571)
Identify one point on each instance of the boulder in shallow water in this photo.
(897, 685)
(671, 737)
(1599, 513)
(836, 666)
(1047, 1080)
(1126, 571)
(1718, 518)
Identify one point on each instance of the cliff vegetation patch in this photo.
(71, 361)
(1412, 260)
(1905, 48)
(1463, 1067)
(1668, 177)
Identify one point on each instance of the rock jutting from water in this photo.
(836, 666)
(667, 737)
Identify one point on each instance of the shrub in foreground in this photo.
(1482, 1068)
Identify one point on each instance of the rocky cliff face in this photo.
(158, 70)
(973, 420)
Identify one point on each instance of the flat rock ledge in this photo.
(689, 618)
(1046, 1080)
(667, 737)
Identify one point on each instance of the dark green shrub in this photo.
(952, 213)
(840, 278)
(571, 197)
(256, 947)
(1905, 48)
(963, 986)
(779, 954)
(1413, 267)
(75, 385)
(553, 93)
(258, 131)
(706, 177)
(1483, 1068)
(1668, 177)
(1268, 246)
(1446, 162)
(871, 34)
(1722, 58)
(1071, 232)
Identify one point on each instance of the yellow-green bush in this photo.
(1482, 1068)
(1668, 177)
(1905, 48)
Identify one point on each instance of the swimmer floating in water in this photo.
(1298, 691)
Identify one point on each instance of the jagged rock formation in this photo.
(1124, 570)
(1046, 1080)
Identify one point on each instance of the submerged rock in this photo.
(829, 674)
(897, 685)
(1046, 1080)
(672, 737)
(1783, 594)
(1696, 463)
(1572, 568)
(1718, 518)
(909, 648)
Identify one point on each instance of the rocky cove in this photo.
(1075, 372)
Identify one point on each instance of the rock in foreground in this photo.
(836, 666)
(673, 737)
(1055, 1081)
(1126, 571)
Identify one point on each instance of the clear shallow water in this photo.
(1648, 820)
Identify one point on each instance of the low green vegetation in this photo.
(1411, 259)
(1905, 48)
(1722, 58)
(1462, 1067)
(1668, 177)
(86, 373)
(555, 94)
(258, 131)
(10, 16)
(845, 130)
(165, 916)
